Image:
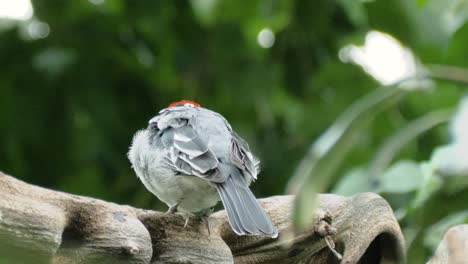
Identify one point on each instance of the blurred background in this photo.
(79, 78)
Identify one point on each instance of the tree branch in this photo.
(454, 246)
(38, 225)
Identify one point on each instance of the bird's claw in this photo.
(172, 209)
(187, 218)
(206, 220)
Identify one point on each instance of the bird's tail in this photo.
(245, 214)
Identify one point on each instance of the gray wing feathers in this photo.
(241, 156)
(244, 213)
(187, 141)
(189, 154)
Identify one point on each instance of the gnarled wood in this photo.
(453, 248)
(38, 225)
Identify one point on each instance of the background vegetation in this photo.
(78, 78)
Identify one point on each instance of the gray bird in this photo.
(190, 158)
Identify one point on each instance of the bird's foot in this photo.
(207, 222)
(204, 216)
(172, 209)
(186, 216)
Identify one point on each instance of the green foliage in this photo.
(405, 176)
(70, 102)
(428, 196)
(326, 154)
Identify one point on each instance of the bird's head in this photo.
(184, 103)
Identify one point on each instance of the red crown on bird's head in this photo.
(184, 102)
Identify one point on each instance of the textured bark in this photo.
(453, 249)
(38, 225)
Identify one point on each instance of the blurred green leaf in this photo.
(403, 176)
(355, 11)
(430, 185)
(354, 181)
(457, 47)
(421, 2)
(450, 160)
(427, 29)
(316, 169)
(439, 19)
(454, 184)
(389, 149)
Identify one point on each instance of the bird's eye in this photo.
(187, 104)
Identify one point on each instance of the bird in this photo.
(190, 158)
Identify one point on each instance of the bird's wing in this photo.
(188, 153)
(242, 157)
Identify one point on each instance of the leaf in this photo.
(431, 184)
(355, 181)
(437, 20)
(390, 148)
(451, 163)
(425, 26)
(326, 154)
(355, 11)
(459, 124)
(451, 160)
(404, 176)
(421, 3)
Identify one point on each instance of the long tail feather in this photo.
(245, 215)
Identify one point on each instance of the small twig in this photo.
(324, 229)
